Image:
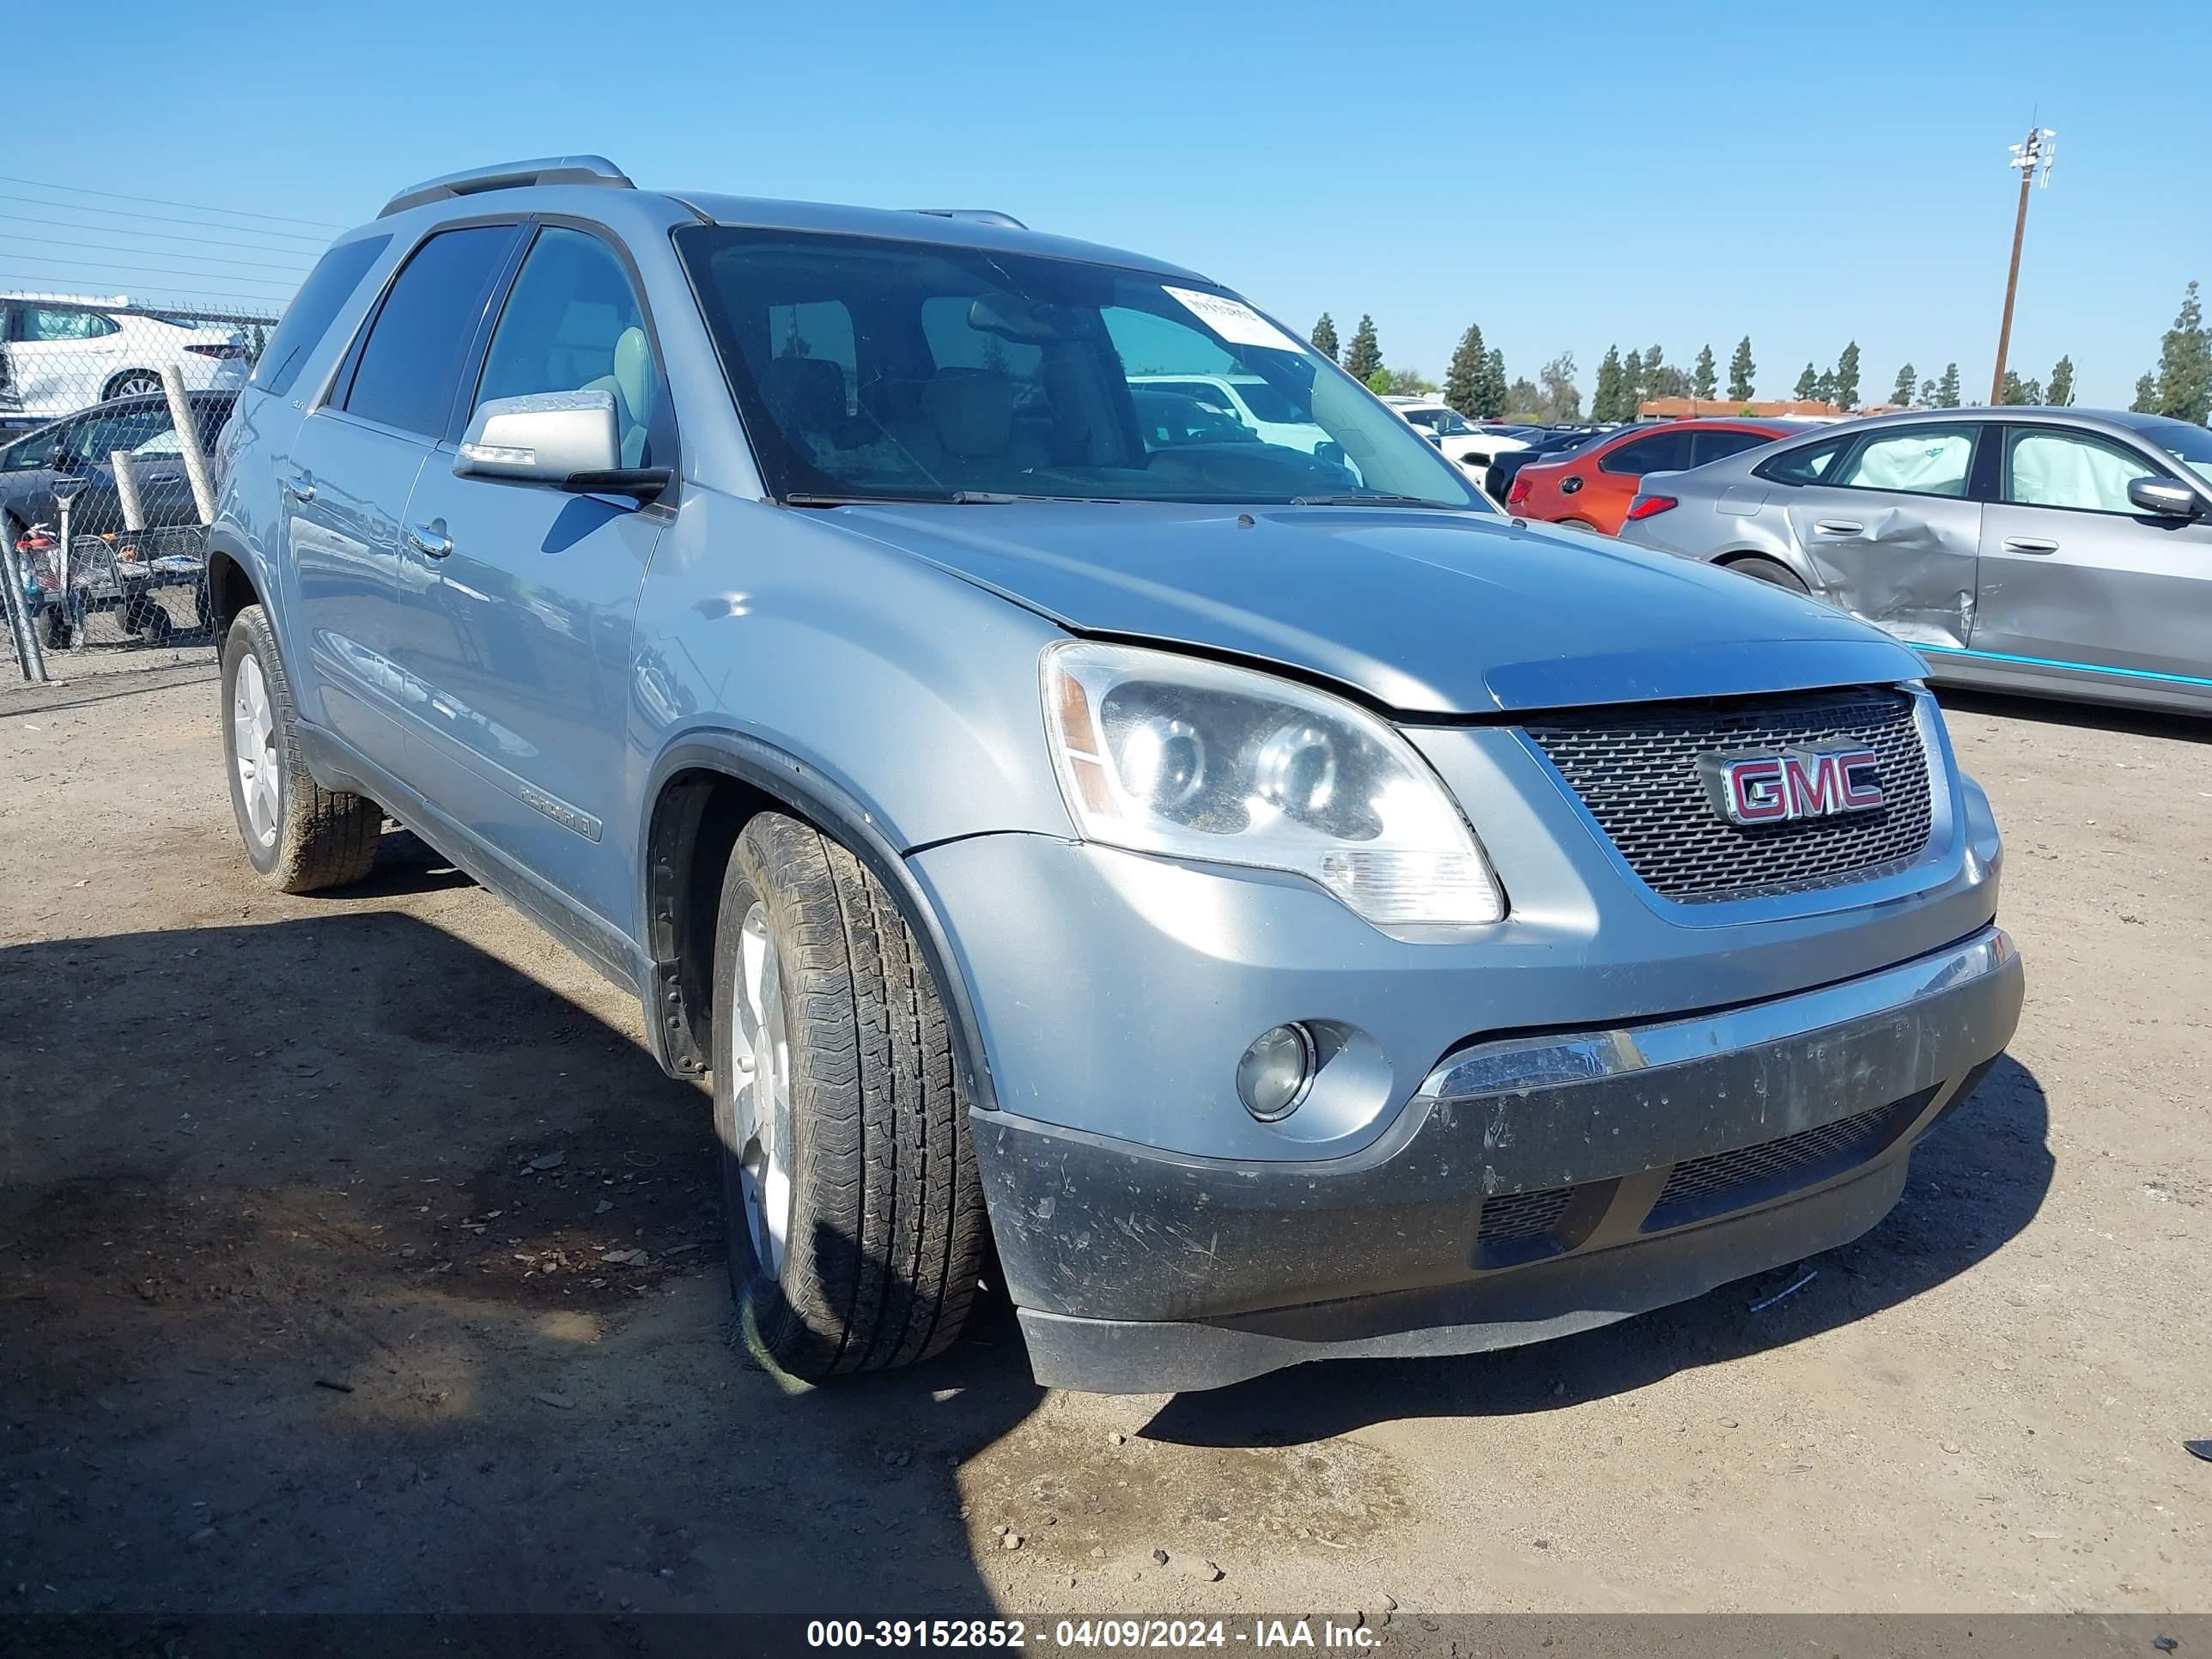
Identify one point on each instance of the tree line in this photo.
(1475, 382)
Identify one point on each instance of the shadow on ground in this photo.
(2087, 716)
(350, 1267)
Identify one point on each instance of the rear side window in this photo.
(411, 360)
(307, 318)
(1663, 452)
(1921, 460)
(1807, 465)
(1719, 446)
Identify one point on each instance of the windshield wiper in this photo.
(1367, 500)
(865, 500)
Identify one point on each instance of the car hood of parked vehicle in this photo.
(1425, 612)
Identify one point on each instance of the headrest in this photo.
(808, 392)
(972, 408)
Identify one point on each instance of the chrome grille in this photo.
(1636, 771)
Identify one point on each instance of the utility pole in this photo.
(2035, 153)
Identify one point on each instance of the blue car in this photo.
(1268, 903)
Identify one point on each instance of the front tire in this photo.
(856, 1218)
(1768, 571)
(300, 837)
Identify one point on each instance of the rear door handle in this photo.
(2029, 545)
(428, 541)
(301, 488)
(1839, 527)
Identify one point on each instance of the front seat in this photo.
(632, 381)
(970, 412)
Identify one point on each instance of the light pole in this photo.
(2032, 156)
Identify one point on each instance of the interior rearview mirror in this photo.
(2165, 499)
(567, 440)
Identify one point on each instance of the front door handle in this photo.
(2029, 545)
(1839, 527)
(429, 541)
(301, 488)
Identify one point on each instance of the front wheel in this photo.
(300, 837)
(1768, 571)
(856, 1218)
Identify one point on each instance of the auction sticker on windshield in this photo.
(1233, 320)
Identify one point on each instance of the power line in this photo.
(156, 201)
(298, 272)
(175, 270)
(153, 218)
(154, 235)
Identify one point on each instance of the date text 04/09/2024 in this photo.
(1014, 1634)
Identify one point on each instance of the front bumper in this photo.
(1532, 1187)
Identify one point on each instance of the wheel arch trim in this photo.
(783, 778)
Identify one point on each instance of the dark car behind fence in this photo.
(105, 492)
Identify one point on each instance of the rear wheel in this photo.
(855, 1219)
(132, 383)
(300, 837)
(1768, 571)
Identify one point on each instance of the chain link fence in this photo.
(109, 413)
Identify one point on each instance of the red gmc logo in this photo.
(1793, 783)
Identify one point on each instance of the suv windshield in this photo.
(873, 369)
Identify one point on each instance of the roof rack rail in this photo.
(974, 216)
(507, 175)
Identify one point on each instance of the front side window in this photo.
(46, 325)
(2188, 443)
(411, 360)
(1663, 452)
(871, 368)
(2048, 468)
(572, 323)
(1922, 460)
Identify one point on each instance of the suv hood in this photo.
(1425, 612)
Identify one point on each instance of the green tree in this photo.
(1705, 379)
(1605, 401)
(1494, 388)
(1651, 381)
(1847, 375)
(1808, 384)
(1468, 368)
(1365, 356)
(1561, 400)
(1383, 383)
(2017, 390)
(1524, 400)
(1629, 391)
(2146, 401)
(1823, 385)
(1324, 337)
(2184, 365)
(2060, 392)
(1947, 389)
(1927, 393)
(1907, 382)
(1741, 371)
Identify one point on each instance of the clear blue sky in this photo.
(1567, 175)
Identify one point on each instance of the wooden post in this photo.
(188, 441)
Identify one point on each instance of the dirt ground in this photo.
(307, 1301)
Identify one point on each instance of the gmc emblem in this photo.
(1777, 786)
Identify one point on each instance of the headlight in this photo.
(1161, 753)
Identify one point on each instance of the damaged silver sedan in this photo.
(2056, 552)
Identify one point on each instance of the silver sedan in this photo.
(2058, 552)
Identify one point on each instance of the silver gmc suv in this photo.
(1278, 906)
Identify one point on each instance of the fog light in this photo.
(1276, 1072)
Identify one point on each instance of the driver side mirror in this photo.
(565, 439)
(2162, 498)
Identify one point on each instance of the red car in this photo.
(1593, 486)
